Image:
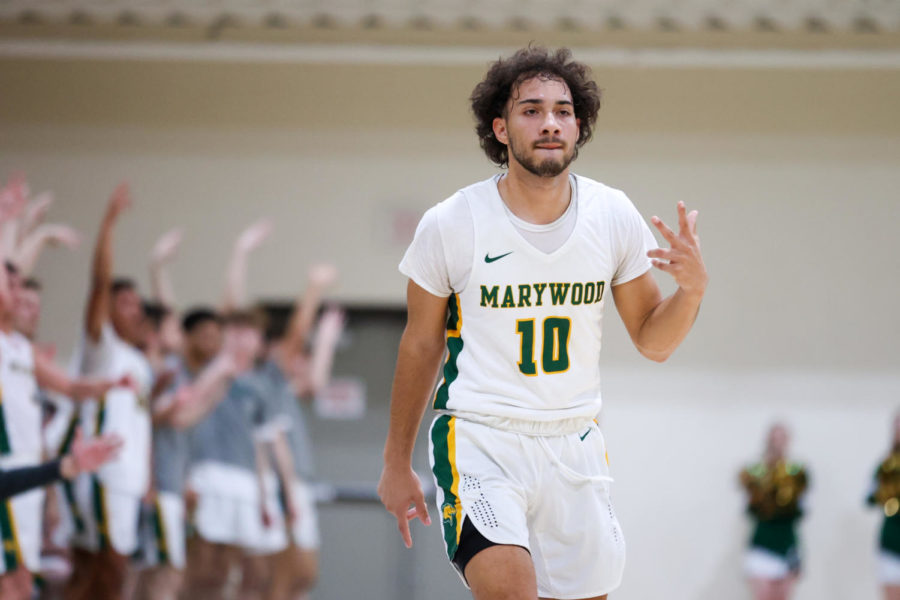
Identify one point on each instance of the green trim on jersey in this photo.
(67, 484)
(443, 438)
(12, 553)
(162, 549)
(100, 513)
(4, 434)
(101, 414)
(454, 347)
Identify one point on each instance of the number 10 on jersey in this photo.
(554, 345)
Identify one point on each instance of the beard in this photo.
(548, 167)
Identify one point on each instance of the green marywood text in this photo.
(537, 294)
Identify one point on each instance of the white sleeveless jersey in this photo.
(121, 411)
(20, 410)
(523, 334)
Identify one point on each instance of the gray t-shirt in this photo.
(171, 448)
(290, 412)
(227, 435)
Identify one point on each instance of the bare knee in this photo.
(502, 573)
(306, 570)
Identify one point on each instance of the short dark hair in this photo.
(489, 97)
(155, 312)
(278, 316)
(121, 284)
(198, 316)
(32, 284)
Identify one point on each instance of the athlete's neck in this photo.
(771, 458)
(535, 199)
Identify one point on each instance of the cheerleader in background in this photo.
(775, 487)
(886, 495)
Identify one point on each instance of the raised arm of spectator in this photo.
(164, 251)
(320, 277)
(13, 199)
(50, 376)
(34, 214)
(102, 265)
(47, 234)
(329, 332)
(250, 239)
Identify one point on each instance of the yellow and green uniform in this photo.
(775, 506)
(886, 494)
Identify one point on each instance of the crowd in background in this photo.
(177, 437)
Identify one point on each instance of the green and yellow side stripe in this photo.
(67, 485)
(454, 347)
(12, 551)
(443, 438)
(159, 527)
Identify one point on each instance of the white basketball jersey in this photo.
(20, 431)
(121, 411)
(523, 335)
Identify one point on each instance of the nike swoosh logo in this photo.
(585, 435)
(489, 259)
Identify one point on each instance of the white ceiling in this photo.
(576, 15)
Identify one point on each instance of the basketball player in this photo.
(22, 370)
(513, 273)
(199, 384)
(85, 455)
(228, 480)
(886, 495)
(106, 506)
(775, 487)
(293, 375)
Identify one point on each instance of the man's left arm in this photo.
(50, 376)
(657, 325)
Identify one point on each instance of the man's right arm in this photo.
(418, 361)
(101, 267)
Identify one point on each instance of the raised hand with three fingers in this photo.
(683, 259)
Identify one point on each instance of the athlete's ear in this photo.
(578, 134)
(500, 130)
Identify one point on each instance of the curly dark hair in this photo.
(489, 97)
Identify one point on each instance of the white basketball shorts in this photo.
(163, 532)
(229, 509)
(105, 517)
(20, 528)
(888, 568)
(544, 487)
(305, 529)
